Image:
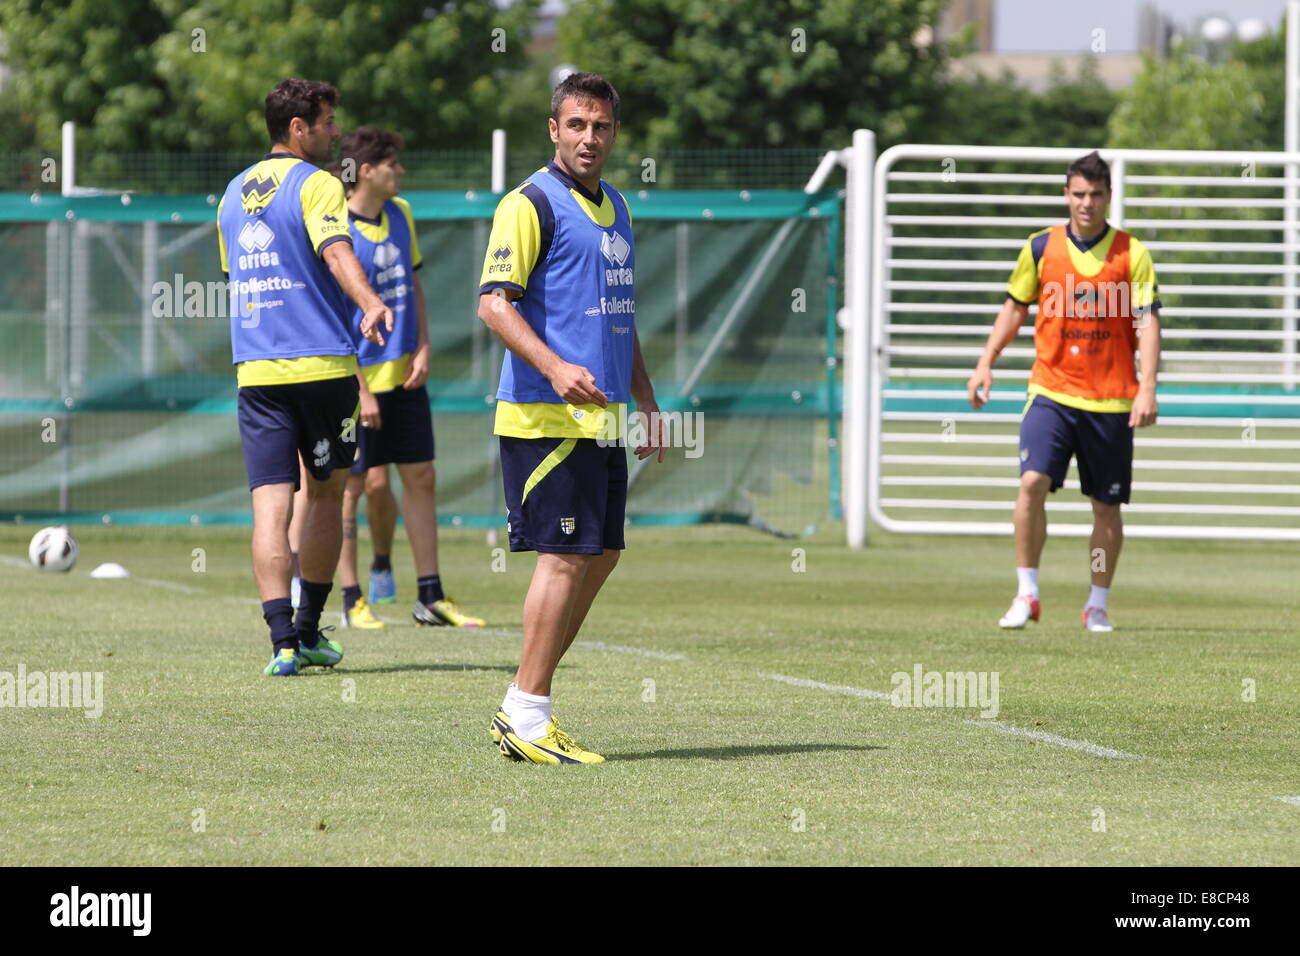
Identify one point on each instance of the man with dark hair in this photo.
(1097, 304)
(285, 246)
(396, 426)
(557, 290)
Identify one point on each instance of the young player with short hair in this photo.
(1097, 304)
(396, 424)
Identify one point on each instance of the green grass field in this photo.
(712, 763)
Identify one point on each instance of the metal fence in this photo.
(947, 223)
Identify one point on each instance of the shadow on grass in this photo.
(737, 753)
(400, 668)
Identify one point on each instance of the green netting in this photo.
(179, 173)
(117, 395)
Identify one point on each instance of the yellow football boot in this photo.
(360, 615)
(555, 747)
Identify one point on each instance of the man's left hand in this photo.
(656, 440)
(1144, 410)
(417, 370)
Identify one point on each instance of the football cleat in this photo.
(383, 587)
(326, 653)
(444, 613)
(295, 591)
(360, 615)
(287, 663)
(1023, 610)
(1096, 619)
(498, 728)
(500, 724)
(555, 747)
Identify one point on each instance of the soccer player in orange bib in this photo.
(1098, 304)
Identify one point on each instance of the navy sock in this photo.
(297, 571)
(351, 595)
(278, 613)
(380, 563)
(309, 610)
(430, 589)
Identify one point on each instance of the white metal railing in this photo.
(1230, 416)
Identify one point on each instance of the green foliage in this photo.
(988, 111)
(1185, 103)
(179, 74)
(89, 61)
(751, 73)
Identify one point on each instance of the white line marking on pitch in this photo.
(14, 562)
(641, 651)
(1294, 801)
(1095, 749)
(833, 688)
(172, 586)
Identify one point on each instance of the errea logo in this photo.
(255, 236)
(615, 248)
(502, 264)
(386, 253)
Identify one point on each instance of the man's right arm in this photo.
(1005, 329)
(573, 383)
(347, 271)
(325, 217)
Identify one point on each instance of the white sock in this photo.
(1098, 597)
(1027, 581)
(529, 714)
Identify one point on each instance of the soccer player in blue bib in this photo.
(284, 242)
(557, 290)
(396, 426)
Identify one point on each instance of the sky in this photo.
(1050, 26)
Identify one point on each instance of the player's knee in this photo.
(1035, 486)
(1107, 514)
(331, 489)
(420, 478)
(377, 481)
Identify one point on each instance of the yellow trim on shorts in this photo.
(561, 452)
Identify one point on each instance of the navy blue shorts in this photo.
(278, 422)
(564, 495)
(1050, 433)
(406, 433)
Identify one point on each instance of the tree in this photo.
(1185, 103)
(160, 75)
(998, 111)
(749, 73)
(89, 61)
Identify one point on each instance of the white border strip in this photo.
(1095, 749)
(1294, 801)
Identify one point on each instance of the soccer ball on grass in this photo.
(53, 549)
